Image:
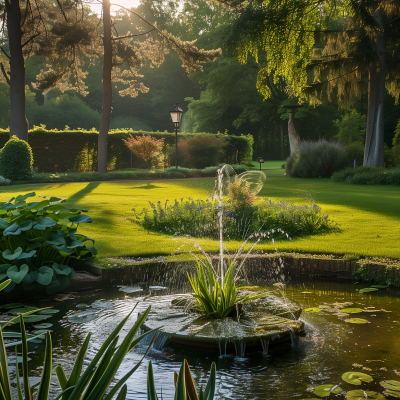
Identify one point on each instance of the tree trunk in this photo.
(374, 155)
(18, 121)
(107, 90)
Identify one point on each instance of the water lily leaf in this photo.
(364, 395)
(83, 316)
(392, 393)
(35, 318)
(3, 223)
(368, 289)
(49, 311)
(82, 305)
(326, 390)
(55, 239)
(102, 304)
(45, 275)
(351, 310)
(312, 309)
(15, 274)
(22, 310)
(356, 378)
(30, 277)
(380, 286)
(9, 255)
(12, 305)
(45, 325)
(42, 223)
(61, 269)
(357, 321)
(306, 292)
(391, 385)
(13, 229)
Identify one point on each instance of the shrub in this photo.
(16, 160)
(347, 173)
(38, 239)
(239, 195)
(144, 147)
(355, 151)
(198, 218)
(368, 176)
(351, 127)
(316, 159)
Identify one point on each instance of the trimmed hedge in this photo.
(368, 176)
(76, 150)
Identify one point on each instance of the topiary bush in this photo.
(317, 159)
(16, 160)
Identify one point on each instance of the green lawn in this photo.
(368, 216)
(270, 168)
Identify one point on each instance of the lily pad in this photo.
(102, 304)
(11, 359)
(380, 286)
(43, 326)
(83, 316)
(131, 289)
(82, 305)
(391, 385)
(364, 395)
(12, 305)
(392, 393)
(357, 321)
(22, 310)
(49, 311)
(35, 318)
(368, 289)
(312, 309)
(326, 390)
(356, 378)
(351, 310)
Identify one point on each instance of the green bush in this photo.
(317, 159)
(198, 218)
(368, 176)
(37, 241)
(396, 145)
(351, 127)
(16, 160)
(355, 151)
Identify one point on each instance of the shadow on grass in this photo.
(149, 186)
(83, 192)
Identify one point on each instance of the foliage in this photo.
(129, 122)
(239, 195)
(16, 160)
(69, 150)
(184, 385)
(316, 159)
(351, 127)
(396, 144)
(355, 151)
(37, 241)
(144, 147)
(201, 152)
(368, 176)
(214, 299)
(4, 181)
(198, 218)
(64, 110)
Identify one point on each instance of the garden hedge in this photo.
(76, 150)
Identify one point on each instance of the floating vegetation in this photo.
(351, 310)
(313, 309)
(83, 316)
(22, 310)
(391, 385)
(49, 311)
(326, 390)
(43, 326)
(356, 378)
(12, 359)
(357, 321)
(131, 289)
(364, 395)
(368, 289)
(36, 318)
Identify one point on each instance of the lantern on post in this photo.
(261, 161)
(176, 116)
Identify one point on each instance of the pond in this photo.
(330, 347)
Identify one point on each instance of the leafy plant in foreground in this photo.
(37, 241)
(212, 298)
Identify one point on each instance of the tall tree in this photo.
(319, 47)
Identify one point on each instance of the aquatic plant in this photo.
(37, 241)
(214, 299)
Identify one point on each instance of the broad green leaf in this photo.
(326, 390)
(3, 224)
(26, 255)
(48, 311)
(58, 284)
(26, 226)
(312, 309)
(42, 223)
(22, 310)
(356, 378)
(13, 229)
(80, 219)
(61, 269)
(9, 306)
(23, 197)
(9, 255)
(364, 395)
(17, 274)
(366, 290)
(351, 310)
(391, 385)
(45, 275)
(357, 321)
(30, 277)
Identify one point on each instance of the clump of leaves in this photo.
(37, 241)
(212, 298)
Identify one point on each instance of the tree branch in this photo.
(4, 73)
(4, 52)
(129, 36)
(30, 39)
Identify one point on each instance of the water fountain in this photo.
(265, 320)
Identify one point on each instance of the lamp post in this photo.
(176, 116)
